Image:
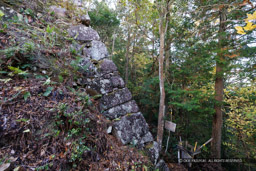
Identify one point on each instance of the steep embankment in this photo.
(57, 130)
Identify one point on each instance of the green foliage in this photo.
(72, 121)
(48, 91)
(49, 39)
(30, 12)
(45, 167)
(104, 20)
(76, 64)
(78, 149)
(74, 124)
(26, 95)
(240, 122)
(1, 14)
(16, 71)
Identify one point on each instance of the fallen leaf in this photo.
(5, 166)
(42, 152)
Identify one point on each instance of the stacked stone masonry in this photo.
(116, 103)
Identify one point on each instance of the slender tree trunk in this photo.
(133, 72)
(167, 62)
(167, 48)
(113, 46)
(160, 128)
(127, 56)
(153, 54)
(219, 87)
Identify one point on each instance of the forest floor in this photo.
(37, 134)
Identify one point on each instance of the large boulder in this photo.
(116, 98)
(83, 33)
(96, 50)
(107, 66)
(132, 129)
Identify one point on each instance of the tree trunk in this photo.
(113, 46)
(219, 86)
(127, 57)
(133, 72)
(160, 128)
(167, 48)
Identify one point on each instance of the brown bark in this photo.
(162, 30)
(219, 86)
(167, 49)
(161, 84)
(127, 57)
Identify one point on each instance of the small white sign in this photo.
(170, 126)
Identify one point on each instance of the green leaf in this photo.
(23, 120)
(49, 29)
(48, 91)
(48, 81)
(1, 13)
(26, 95)
(18, 71)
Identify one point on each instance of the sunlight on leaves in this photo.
(1, 13)
(251, 16)
(249, 26)
(240, 30)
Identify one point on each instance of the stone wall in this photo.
(101, 77)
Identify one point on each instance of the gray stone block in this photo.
(97, 50)
(132, 129)
(116, 98)
(107, 66)
(106, 85)
(83, 33)
(117, 82)
(121, 110)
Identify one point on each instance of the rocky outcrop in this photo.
(116, 103)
